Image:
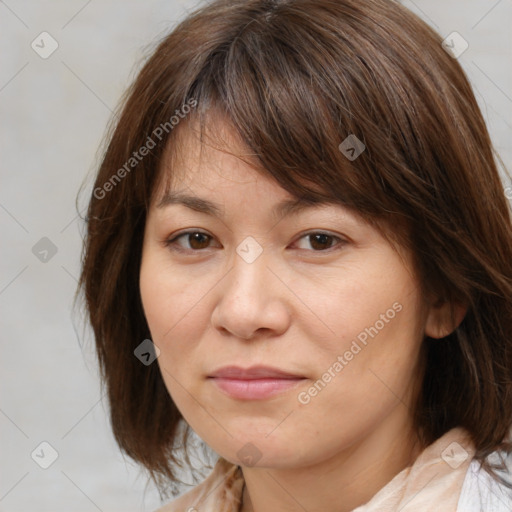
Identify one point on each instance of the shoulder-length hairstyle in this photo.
(296, 78)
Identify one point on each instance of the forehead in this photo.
(213, 161)
(195, 148)
(206, 165)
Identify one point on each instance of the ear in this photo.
(443, 318)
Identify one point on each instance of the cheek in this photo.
(360, 384)
(373, 359)
(165, 305)
(376, 300)
(369, 358)
(170, 298)
(176, 316)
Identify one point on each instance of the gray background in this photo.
(54, 114)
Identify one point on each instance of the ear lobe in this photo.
(443, 318)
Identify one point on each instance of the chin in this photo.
(263, 452)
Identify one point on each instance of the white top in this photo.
(482, 493)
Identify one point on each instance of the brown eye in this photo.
(321, 241)
(196, 241)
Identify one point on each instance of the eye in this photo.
(321, 241)
(196, 241)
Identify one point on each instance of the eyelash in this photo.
(172, 244)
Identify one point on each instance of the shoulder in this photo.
(482, 493)
(221, 490)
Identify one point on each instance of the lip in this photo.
(255, 383)
(254, 372)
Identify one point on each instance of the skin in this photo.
(296, 307)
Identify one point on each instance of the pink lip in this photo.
(254, 372)
(256, 383)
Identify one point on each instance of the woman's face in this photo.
(316, 294)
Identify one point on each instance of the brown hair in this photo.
(295, 78)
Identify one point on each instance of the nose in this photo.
(252, 301)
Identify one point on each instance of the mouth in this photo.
(255, 383)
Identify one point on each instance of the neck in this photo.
(347, 479)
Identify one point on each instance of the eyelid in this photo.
(341, 241)
(170, 242)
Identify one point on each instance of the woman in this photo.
(299, 248)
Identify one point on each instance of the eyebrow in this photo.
(282, 209)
